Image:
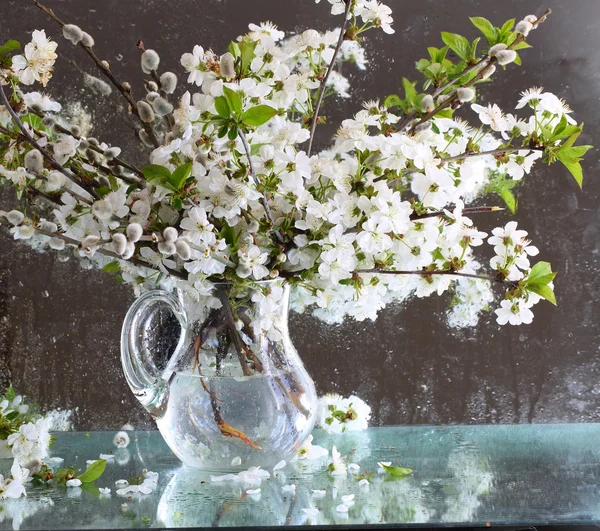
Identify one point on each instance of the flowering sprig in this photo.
(230, 194)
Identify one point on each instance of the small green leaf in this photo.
(521, 45)
(486, 27)
(102, 190)
(9, 47)
(544, 291)
(410, 91)
(393, 100)
(112, 267)
(233, 100)
(247, 48)
(396, 471)
(10, 393)
(258, 115)
(180, 175)
(93, 472)
(234, 49)
(177, 203)
(457, 43)
(541, 273)
(153, 172)
(509, 199)
(223, 109)
(507, 27)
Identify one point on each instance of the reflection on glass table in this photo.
(463, 475)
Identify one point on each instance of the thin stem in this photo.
(263, 199)
(422, 273)
(471, 210)
(107, 72)
(315, 118)
(44, 153)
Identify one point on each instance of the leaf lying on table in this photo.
(395, 471)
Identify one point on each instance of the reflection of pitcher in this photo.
(227, 382)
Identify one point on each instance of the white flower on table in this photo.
(73, 482)
(310, 451)
(337, 467)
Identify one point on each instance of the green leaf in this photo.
(223, 109)
(34, 121)
(180, 175)
(410, 91)
(102, 190)
(544, 291)
(9, 47)
(486, 27)
(521, 45)
(233, 133)
(177, 203)
(457, 43)
(93, 472)
(396, 471)
(541, 273)
(507, 27)
(258, 115)
(229, 235)
(247, 48)
(509, 199)
(153, 172)
(574, 169)
(234, 100)
(10, 393)
(234, 49)
(393, 100)
(473, 51)
(112, 267)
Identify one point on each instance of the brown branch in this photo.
(67, 173)
(315, 118)
(440, 213)
(425, 273)
(107, 72)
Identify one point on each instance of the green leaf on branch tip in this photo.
(234, 49)
(509, 199)
(543, 291)
(247, 53)
(258, 115)
(396, 471)
(458, 44)
(154, 172)
(486, 27)
(93, 472)
(223, 109)
(541, 273)
(393, 100)
(233, 100)
(112, 267)
(411, 92)
(9, 47)
(570, 156)
(179, 176)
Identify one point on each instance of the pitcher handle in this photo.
(148, 383)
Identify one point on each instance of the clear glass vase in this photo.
(222, 380)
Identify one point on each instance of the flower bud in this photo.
(496, 48)
(134, 232)
(145, 138)
(48, 121)
(168, 82)
(129, 251)
(150, 61)
(145, 111)
(34, 161)
(170, 234)
(15, 217)
(96, 85)
(227, 64)
(487, 72)
(162, 107)
(505, 57)
(281, 258)
(89, 242)
(119, 242)
(56, 181)
(442, 98)
(56, 243)
(112, 152)
(465, 94)
(101, 209)
(183, 249)
(273, 273)
(94, 141)
(105, 65)
(126, 86)
(524, 27)
(151, 96)
(87, 40)
(532, 19)
(72, 33)
(427, 104)
(152, 86)
(166, 248)
(76, 131)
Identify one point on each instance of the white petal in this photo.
(311, 511)
(280, 465)
(341, 509)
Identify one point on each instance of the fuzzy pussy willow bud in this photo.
(496, 48)
(183, 249)
(96, 85)
(72, 33)
(162, 107)
(134, 232)
(524, 27)
(145, 111)
(465, 94)
(505, 57)
(145, 138)
(150, 61)
(87, 40)
(168, 82)
(227, 65)
(427, 104)
(119, 243)
(112, 152)
(15, 217)
(34, 161)
(170, 234)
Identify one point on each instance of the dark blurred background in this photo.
(60, 323)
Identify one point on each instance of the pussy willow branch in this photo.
(263, 199)
(489, 278)
(482, 68)
(315, 118)
(108, 73)
(67, 173)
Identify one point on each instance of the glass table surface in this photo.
(463, 476)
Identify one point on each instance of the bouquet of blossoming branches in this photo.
(234, 191)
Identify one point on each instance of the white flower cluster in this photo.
(336, 414)
(14, 486)
(234, 193)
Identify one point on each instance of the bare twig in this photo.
(107, 72)
(263, 199)
(425, 273)
(440, 213)
(67, 173)
(315, 118)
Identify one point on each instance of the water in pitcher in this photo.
(209, 421)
